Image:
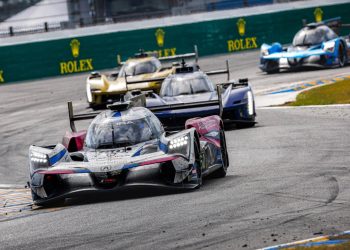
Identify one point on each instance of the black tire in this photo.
(222, 171)
(198, 164)
(245, 125)
(341, 56)
(271, 67)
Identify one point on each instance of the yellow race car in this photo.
(104, 89)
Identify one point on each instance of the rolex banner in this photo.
(104, 51)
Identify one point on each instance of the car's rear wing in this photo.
(78, 117)
(334, 23)
(132, 102)
(143, 53)
(186, 69)
(194, 55)
(243, 82)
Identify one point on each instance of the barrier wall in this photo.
(88, 53)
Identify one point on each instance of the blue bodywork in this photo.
(330, 50)
(234, 98)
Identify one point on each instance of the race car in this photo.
(315, 45)
(106, 89)
(126, 145)
(190, 93)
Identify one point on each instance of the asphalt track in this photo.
(288, 177)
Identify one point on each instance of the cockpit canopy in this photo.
(186, 84)
(112, 129)
(313, 35)
(136, 67)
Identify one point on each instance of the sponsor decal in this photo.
(241, 26)
(76, 65)
(244, 42)
(2, 76)
(75, 46)
(160, 38)
(318, 13)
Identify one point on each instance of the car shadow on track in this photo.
(232, 126)
(136, 192)
(298, 70)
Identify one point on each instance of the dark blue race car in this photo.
(315, 45)
(190, 93)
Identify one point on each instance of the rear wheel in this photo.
(222, 171)
(271, 67)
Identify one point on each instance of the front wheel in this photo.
(197, 166)
(222, 171)
(271, 67)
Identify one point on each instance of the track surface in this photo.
(288, 178)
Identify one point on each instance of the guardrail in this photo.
(95, 52)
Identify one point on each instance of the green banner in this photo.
(96, 52)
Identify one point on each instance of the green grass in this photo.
(336, 93)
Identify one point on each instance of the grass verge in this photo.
(336, 93)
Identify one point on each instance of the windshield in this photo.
(135, 68)
(313, 36)
(114, 133)
(186, 86)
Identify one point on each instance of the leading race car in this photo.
(106, 89)
(315, 45)
(126, 146)
(190, 93)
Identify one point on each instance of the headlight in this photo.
(179, 145)
(38, 160)
(250, 103)
(329, 47)
(264, 52)
(178, 142)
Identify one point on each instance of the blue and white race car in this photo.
(315, 45)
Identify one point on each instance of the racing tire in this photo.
(341, 56)
(245, 125)
(271, 67)
(198, 165)
(222, 171)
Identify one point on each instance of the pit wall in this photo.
(95, 52)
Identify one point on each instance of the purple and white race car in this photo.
(126, 146)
